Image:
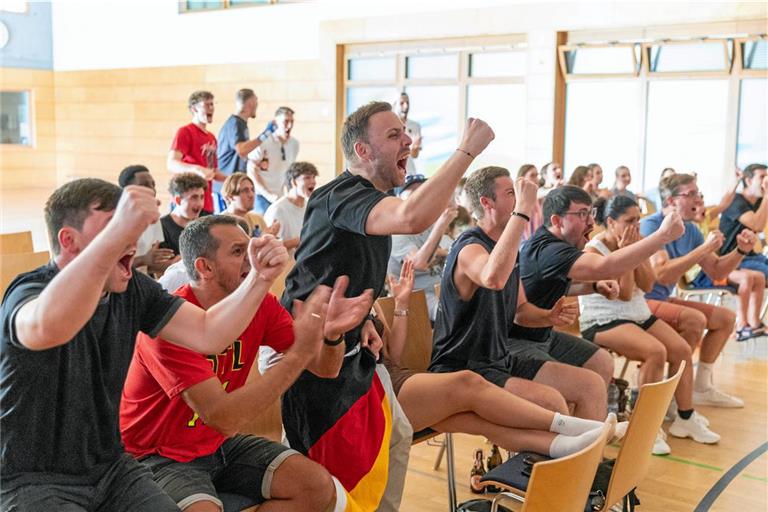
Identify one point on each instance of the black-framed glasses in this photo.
(693, 194)
(282, 152)
(583, 214)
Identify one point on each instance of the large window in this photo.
(15, 118)
(208, 5)
(698, 105)
(447, 82)
(604, 124)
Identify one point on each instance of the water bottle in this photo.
(613, 398)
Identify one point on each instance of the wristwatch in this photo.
(333, 343)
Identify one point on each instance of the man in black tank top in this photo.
(481, 296)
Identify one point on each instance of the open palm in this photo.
(345, 313)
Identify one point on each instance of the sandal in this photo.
(745, 333)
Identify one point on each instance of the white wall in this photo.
(109, 34)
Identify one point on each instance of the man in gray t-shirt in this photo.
(423, 248)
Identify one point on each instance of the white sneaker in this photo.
(716, 398)
(660, 446)
(694, 428)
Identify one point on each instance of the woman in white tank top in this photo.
(626, 325)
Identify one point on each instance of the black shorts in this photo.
(242, 465)
(589, 334)
(559, 347)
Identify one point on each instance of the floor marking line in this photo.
(709, 499)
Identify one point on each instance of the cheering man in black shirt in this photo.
(347, 231)
(553, 259)
(481, 296)
(68, 333)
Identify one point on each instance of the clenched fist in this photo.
(477, 136)
(672, 227)
(267, 256)
(136, 210)
(525, 196)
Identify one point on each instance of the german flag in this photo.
(344, 424)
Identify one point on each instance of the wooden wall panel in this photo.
(108, 119)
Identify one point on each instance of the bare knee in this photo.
(655, 355)
(551, 399)
(692, 324)
(601, 363)
(203, 506)
(305, 483)
(722, 318)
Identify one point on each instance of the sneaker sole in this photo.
(721, 405)
(688, 435)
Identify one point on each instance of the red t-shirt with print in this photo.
(198, 147)
(155, 419)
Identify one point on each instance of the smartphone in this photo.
(533, 458)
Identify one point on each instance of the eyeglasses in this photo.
(693, 194)
(282, 152)
(583, 214)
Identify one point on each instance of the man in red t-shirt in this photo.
(181, 411)
(194, 148)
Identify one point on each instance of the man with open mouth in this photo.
(68, 335)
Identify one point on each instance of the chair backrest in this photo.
(647, 207)
(635, 454)
(11, 243)
(418, 347)
(564, 484)
(14, 264)
(278, 287)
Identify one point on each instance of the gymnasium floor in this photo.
(675, 483)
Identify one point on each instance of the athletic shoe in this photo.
(694, 428)
(671, 410)
(660, 446)
(716, 398)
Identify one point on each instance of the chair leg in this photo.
(440, 453)
(624, 369)
(451, 472)
(504, 496)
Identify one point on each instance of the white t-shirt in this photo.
(274, 176)
(597, 310)
(174, 276)
(153, 233)
(413, 129)
(290, 217)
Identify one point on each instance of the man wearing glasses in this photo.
(553, 264)
(268, 163)
(680, 197)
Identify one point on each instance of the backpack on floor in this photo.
(596, 500)
(478, 505)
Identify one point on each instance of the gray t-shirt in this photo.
(60, 407)
(402, 246)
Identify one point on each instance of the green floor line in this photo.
(753, 477)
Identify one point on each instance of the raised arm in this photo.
(718, 267)
(424, 254)
(669, 270)
(401, 290)
(48, 321)
(420, 210)
(230, 412)
(211, 331)
(593, 267)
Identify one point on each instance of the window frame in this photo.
(729, 59)
(183, 9)
(738, 57)
(32, 123)
(403, 49)
(562, 61)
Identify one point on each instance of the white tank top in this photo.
(597, 310)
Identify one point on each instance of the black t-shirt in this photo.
(545, 261)
(59, 412)
(729, 221)
(334, 243)
(472, 334)
(233, 131)
(171, 233)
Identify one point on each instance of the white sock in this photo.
(704, 377)
(571, 425)
(563, 445)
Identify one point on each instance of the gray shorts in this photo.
(242, 465)
(125, 486)
(559, 347)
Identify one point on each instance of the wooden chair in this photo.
(559, 484)
(14, 264)
(11, 243)
(416, 356)
(278, 287)
(634, 457)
